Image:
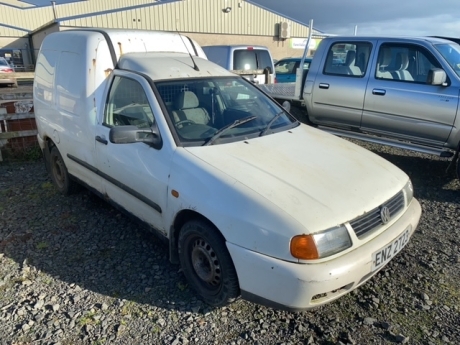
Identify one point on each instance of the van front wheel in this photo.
(207, 264)
(59, 174)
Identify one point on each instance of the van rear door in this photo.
(250, 62)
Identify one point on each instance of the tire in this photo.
(60, 175)
(207, 264)
(300, 114)
(458, 168)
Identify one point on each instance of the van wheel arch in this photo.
(59, 174)
(182, 217)
(207, 263)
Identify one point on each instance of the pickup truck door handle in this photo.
(323, 86)
(379, 92)
(101, 140)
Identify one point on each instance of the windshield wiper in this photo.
(267, 128)
(228, 127)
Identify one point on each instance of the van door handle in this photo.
(323, 86)
(379, 92)
(102, 140)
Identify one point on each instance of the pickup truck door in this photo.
(340, 84)
(135, 175)
(399, 102)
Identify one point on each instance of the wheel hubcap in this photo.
(206, 263)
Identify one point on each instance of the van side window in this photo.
(44, 76)
(69, 84)
(348, 59)
(408, 63)
(127, 104)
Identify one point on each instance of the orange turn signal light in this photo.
(303, 247)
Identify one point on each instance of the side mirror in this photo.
(287, 106)
(132, 134)
(437, 76)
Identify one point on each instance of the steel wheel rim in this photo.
(206, 263)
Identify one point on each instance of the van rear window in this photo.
(247, 59)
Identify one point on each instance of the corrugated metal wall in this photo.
(33, 18)
(200, 16)
(9, 32)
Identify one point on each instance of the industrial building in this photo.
(23, 25)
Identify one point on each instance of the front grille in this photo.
(372, 220)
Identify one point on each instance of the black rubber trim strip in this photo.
(109, 44)
(193, 46)
(117, 183)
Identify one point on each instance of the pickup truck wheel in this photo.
(300, 114)
(59, 174)
(207, 264)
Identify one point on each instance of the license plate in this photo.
(382, 256)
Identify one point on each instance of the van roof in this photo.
(170, 65)
(122, 41)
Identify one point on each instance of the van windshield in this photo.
(251, 59)
(219, 110)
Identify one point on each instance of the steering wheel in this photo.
(183, 122)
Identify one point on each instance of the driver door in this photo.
(135, 175)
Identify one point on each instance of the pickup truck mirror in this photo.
(437, 76)
(132, 134)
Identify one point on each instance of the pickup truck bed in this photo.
(285, 91)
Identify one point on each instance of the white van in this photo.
(255, 63)
(252, 202)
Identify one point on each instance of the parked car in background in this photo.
(254, 63)
(286, 68)
(6, 68)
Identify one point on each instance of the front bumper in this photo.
(294, 286)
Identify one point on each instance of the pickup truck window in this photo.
(451, 53)
(198, 108)
(348, 59)
(407, 63)
(127, 104)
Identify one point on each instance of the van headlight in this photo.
(320, 245)
(409, 191)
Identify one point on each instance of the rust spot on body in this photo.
(120, 47)
(108, 71)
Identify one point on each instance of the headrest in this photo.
(350, 60)
(385, 57)
(186, 100)
(402, 61)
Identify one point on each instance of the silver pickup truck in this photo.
(398, 91)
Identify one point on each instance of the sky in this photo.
(371, 17)
(389, 17)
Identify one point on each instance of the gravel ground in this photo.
(73, 270)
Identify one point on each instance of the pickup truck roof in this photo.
(386, 38)
(159, 65)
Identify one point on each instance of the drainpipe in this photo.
(53, 4)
